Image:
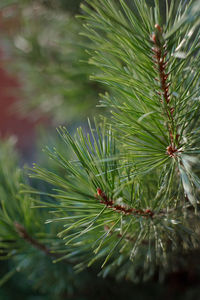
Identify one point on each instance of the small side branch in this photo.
(123, 209)
(29, 239)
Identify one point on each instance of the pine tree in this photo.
(127, 200)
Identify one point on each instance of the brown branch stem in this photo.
(33, 242)
(159, 58)
(123, 209)
(148, 213)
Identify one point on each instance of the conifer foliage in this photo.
(132, 188)
(129, 196)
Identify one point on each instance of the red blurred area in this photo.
(10, 121)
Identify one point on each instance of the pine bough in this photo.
(129, 196)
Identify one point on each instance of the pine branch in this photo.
(136, 222)
(124, 193)
(33, 242)
(160, 54)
